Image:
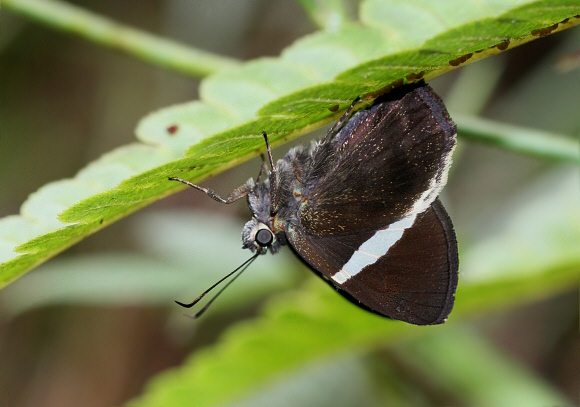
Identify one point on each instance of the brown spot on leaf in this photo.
(415, 76)
(460, 60)
(397, 83)
(542, 32)
(386, 89)
(502, 46)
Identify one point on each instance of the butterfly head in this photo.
(258, 234)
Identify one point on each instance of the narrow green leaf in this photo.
(139, 44)
(320, 71)
(518, 139)
(470, 369)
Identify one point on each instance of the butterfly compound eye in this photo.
(264, 237)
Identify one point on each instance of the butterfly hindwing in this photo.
(406, 271)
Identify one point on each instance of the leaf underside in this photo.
(288, 96)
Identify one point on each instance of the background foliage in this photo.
(303, 347)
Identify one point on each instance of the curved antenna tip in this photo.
(186, 305)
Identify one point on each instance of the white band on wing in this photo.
(373, 249)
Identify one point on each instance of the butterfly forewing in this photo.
(386, 162)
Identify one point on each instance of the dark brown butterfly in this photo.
(360, 207)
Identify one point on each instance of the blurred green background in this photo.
(92, 326)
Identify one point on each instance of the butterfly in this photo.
(360, 207)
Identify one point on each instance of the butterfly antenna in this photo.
(265, 135)
(243, 267)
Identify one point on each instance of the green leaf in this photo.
(450, 367)
(311, 325)
(287, 96)
(473, 371)
(184, 250)
(315, 324)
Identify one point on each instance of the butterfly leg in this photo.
(236, 194)
(341, 122)
(262, 169)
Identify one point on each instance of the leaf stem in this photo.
(103, 31)
(519, 139)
